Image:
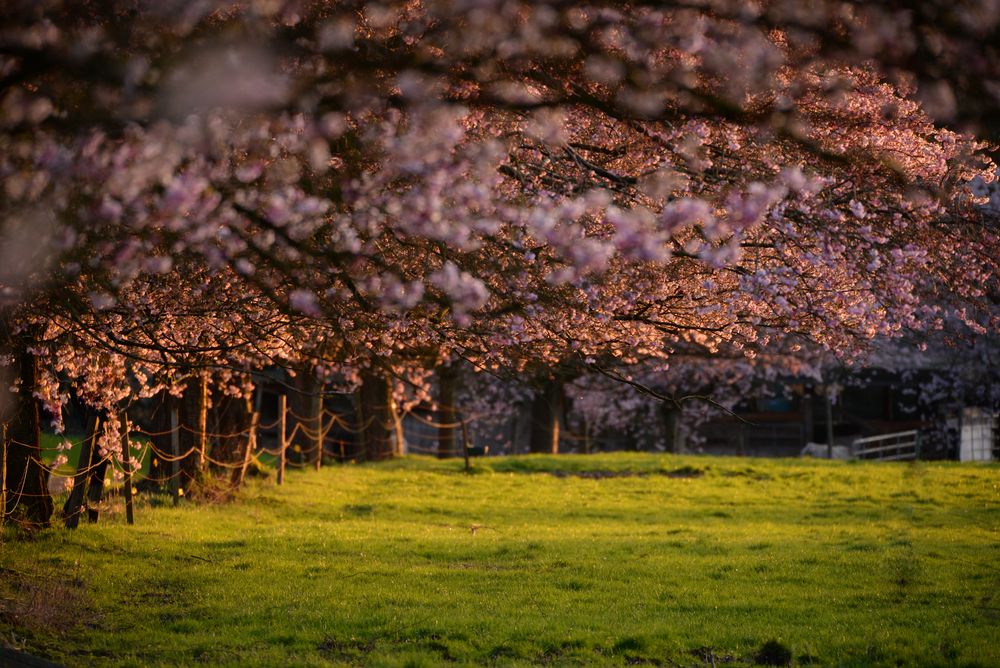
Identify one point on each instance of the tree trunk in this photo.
(282, 437)
(124, 428)
(376, 417)
(232, 423)
(3, 472)
(446, 416)
(808, 417)
(160, 470)
(27, 493)
(189, 436)
(95, 485)
(671, 428)
(318, 437)
(398, 434)
(74, 504)
(829, 425)
(546, 413)
(303, 410)
(192, 404)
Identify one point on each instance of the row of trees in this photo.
(363, 192)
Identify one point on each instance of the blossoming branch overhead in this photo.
(351, 185)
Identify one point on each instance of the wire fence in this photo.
(132, 452)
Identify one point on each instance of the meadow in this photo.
(618, 559)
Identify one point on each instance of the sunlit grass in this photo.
(684, 561)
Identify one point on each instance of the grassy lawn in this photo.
(533, 560)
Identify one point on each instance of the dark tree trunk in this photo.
(27, 494)
(160, 470)
(189, 409)
(95, 485)
(546, 413)
(232, 424)
(74, 504)
(808, 418)
(191, 405)
(377, 419)
(671, 427)
(447, 415)
(358, 435)
(307, 406)
(318, 437)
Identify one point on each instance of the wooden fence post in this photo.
(282, 439)
(203, 423)
(251, 446)
(126, 467)
(175, 454)
(71, 511)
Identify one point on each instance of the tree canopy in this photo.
(346, 186)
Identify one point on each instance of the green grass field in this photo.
(50, 449)
(532, 560)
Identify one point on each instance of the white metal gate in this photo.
(898, 446)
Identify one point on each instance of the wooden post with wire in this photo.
(248, 453)
(126, 467)
(282, 437)
(175, 456)
(74, 504)
(203, 423)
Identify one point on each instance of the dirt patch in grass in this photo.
(751, 473)
(711, 657)
(41, 603)
(685, 472)
(345, 650)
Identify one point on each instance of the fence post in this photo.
(282, 439)
(251, 446)
(126, 466)
(203, 423)
(175, 454)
